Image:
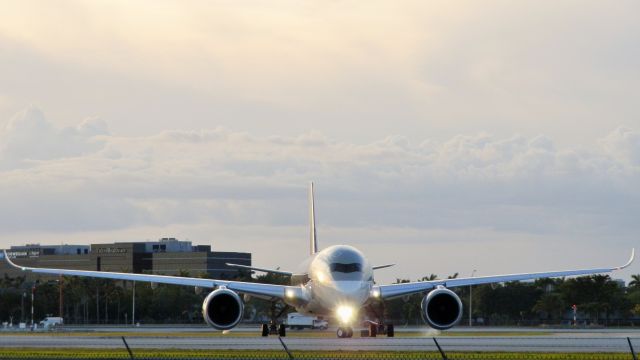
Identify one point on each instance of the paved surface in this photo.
(573, 341)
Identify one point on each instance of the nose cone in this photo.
(353, 292)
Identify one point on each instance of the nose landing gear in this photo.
(344, 332)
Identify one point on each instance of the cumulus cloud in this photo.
(29, 136)
(226, 176)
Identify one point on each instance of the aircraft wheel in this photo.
(390, 330)
(265, 330)
(373, 330)
(349, 332)
(282, 330)
(341, 332)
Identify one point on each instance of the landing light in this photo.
(345, 313)
(375, 293)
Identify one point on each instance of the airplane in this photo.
(335, 281)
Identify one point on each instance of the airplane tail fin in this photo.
(313, 241)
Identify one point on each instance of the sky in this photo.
(441, 136)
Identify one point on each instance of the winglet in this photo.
(633, 254)
(6, 257)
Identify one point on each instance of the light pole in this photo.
(133, 305)
(471, 299)
(60, 299)
(24, 295)
(33, 294)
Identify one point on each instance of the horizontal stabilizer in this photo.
(382, 266)
(287, 273)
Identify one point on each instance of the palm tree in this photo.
(635, 281)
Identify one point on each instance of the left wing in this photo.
(395, 290)
(256, 289)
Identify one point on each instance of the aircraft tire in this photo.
(265, 330)
(373, 330)
(282, 330)
(390, 330)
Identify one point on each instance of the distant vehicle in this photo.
(51, 321)
(299, 321)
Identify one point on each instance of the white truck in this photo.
(300, 321)
(51, 321)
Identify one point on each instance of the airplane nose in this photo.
(351, 291)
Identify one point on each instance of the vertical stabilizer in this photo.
(313, 241)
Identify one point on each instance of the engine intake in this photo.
(441, 309)
(222, 309)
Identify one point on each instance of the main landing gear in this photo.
(344, 332)
(273, 329)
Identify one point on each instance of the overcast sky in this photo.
(444, 137)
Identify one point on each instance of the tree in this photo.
(596, 295)
(551, 306)
(635, 282)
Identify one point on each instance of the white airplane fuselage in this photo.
(338, 277)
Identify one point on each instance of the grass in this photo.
(33, 353)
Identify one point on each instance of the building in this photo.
(167, 256)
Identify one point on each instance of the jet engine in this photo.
(441, 308)
(222, 309)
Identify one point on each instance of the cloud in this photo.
(624, 145)
(231, 177)
(28, 136)
(356, 73)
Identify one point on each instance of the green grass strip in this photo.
(37, 353)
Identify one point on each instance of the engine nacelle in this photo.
(441, 308)
(222, 309)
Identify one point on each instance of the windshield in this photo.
(346, 268)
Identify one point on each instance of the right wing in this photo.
(396, 290)
(267, 291)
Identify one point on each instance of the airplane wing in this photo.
(266, 291)
(396, 290)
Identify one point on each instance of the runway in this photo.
(572, 341)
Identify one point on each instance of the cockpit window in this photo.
(346, 268)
